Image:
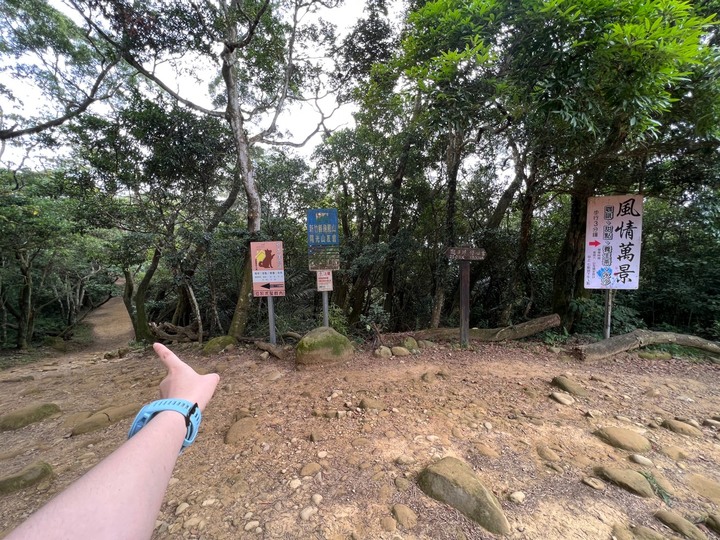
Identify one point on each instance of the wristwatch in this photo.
(190, 411)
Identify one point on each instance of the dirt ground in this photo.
(309, 463)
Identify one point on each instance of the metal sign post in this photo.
(324, 285)
(465, 255)
(612, 247)
(268, 276)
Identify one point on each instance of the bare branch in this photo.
(91, 98)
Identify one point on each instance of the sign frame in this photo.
(268, 277)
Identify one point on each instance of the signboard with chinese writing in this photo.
(323, 239)
(324, 280)
(465, 253)
(612, 242)
(268, 270)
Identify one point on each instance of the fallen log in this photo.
(641, 338)
(516, 331)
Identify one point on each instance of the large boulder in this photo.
(218, 345)
(453, 482)
(322, 345)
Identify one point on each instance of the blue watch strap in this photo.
(190, 411)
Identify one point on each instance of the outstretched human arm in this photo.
(121, 496)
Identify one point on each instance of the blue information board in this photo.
(322, 224)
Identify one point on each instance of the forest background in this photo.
(484, 123)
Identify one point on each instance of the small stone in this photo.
(316, 499)
(563, 399)
(181, 508)
(308, 512)
(547, 453)
(252, 525)
(623, 438)
(388, 524)
(594, 483)
(311, 469)
(296, 483)
(641, 460)
(403, 484)
(518, 497)
(405, 516)
(711, 423)
(404, 460)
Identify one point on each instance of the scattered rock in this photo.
(679, 524)
(625, 439)
(712, 522)
(594, 483)
(683, 428)
(453, 482)
(321, 346)
(547, 453)
(93, 423)
(410, 344)
(705, 487)
(711, 423)
(29, 476)
(370, 403)
(518, 497)
(308, 512)
(641, 532)
(627, 479)
(641, 460)
(27, 415)
(405, 516)
(383, 352)
(428, 377)
(400, 351)
(388, 524)
(485, 450)
(402, 484)
(311, 469)
(570, 386)
(561, 398)
(674, 453)
(241, 430)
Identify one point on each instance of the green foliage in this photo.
(590, 314)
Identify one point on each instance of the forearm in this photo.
(121, 496)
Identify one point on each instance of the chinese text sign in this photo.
(612, 242)
(268, 270)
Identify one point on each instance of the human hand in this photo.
(182, 381)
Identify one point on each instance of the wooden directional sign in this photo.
(268, 269)
(465, 254)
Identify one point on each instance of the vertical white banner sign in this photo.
(612, 242)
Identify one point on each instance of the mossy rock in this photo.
(654, 355)
(218, 344)
(323, 345)
(27, 415)
(29, 476)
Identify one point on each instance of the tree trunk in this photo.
(244, 165)
(196, 310)
(24, 300)
(242, 307)
(142, 326)
(517, 331)
(453, 159)
(641, 338)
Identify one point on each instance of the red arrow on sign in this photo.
(595, 243)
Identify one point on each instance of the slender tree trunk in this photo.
(243, 164)
(453, 159)
(24, 300)
(128, 290)
(195, 309)
(142, 330)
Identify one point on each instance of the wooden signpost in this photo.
(465, 255)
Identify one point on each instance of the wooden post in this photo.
(465, 255)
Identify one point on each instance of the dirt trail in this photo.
(111, 326)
